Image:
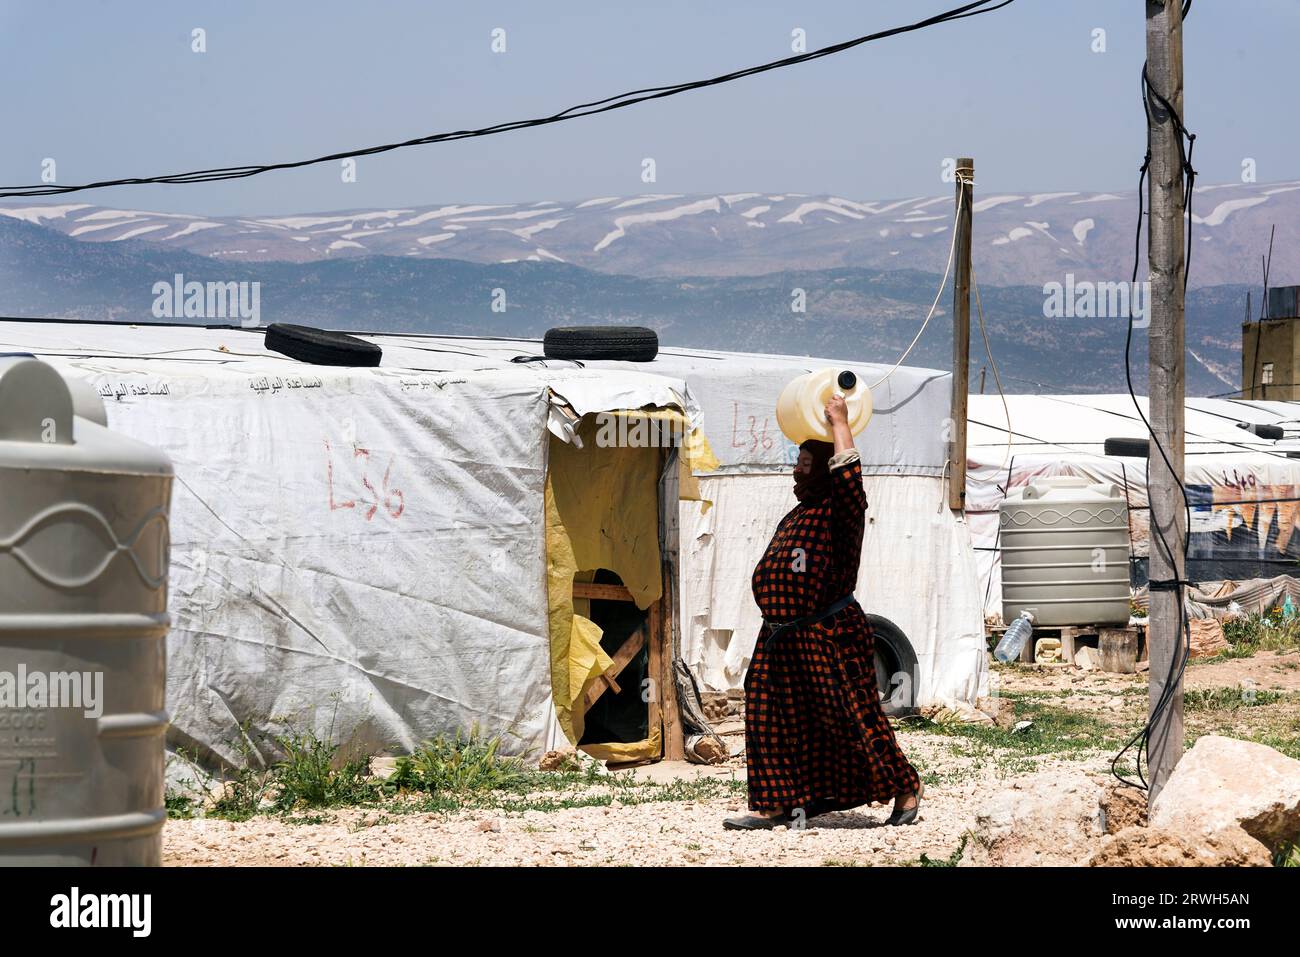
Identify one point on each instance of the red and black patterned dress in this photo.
(815, 735)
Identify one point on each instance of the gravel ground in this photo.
(657, 832)
(961, 780)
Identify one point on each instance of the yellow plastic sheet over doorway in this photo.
(602, 511)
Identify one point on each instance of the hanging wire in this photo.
(604, 105)
(943, 284)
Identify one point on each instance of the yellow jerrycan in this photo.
(801, 407)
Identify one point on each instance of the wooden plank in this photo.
(1119, 650)
(653, 669)
(601, 592)
(664, 613)
(631, 646)
(1068, 647)
(1027, 652)
(960, 335)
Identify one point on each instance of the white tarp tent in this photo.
(359, 550)
(1244, 489)
(366, 545)
(917, 566)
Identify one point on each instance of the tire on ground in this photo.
(895, 667)
(626, 343)
(321, 347)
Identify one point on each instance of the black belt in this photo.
(835, 608)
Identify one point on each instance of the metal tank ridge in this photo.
(1065, 553)
(83, 623)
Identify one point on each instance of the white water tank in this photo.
(83, 621)
(1065, 553)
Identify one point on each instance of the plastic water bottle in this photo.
(1013, 642)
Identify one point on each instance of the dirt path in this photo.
(1268, 670)
(672, 813)
(664, 832)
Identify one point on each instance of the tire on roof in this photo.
(321, 347)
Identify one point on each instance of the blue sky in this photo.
(112, 89)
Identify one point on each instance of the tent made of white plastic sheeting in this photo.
(1244, 490)
(355, 551)
(917, 568)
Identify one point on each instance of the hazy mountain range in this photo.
(1019, 239)
(710, 271)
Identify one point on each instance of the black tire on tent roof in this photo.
(321, 347)
(1133, 448)
(895, 667)
(627, 343)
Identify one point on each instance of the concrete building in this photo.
(1270, 349)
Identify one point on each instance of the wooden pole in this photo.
(1165, 254)
(667, 622)
(961, 335)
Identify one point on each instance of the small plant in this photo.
(1272, 630)
(243, 794)
(466, 763)
(180, 807)
(952, 860)
(1287, 856)
(308, 778)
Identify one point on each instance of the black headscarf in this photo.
(816, 485)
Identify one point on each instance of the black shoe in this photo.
(755, 822)
(906, 816)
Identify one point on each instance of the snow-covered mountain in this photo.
(1020, 239)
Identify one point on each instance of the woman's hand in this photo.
(837, 411)
(837, 415)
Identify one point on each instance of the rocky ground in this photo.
(987, 787)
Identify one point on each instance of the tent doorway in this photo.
(617, 704)
(610, 592)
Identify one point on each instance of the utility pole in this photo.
(960, 334)
(1165, 255)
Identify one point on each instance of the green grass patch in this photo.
(1228, 699)
(1054, 731)
(464, 771)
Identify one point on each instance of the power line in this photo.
(574, 112)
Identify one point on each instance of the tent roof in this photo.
(1062, 426)
(733, 394)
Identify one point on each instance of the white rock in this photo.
(1222, 782)
(1041, 820)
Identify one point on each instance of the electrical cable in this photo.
(943, 284)
(988, 350)
(574, 112)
